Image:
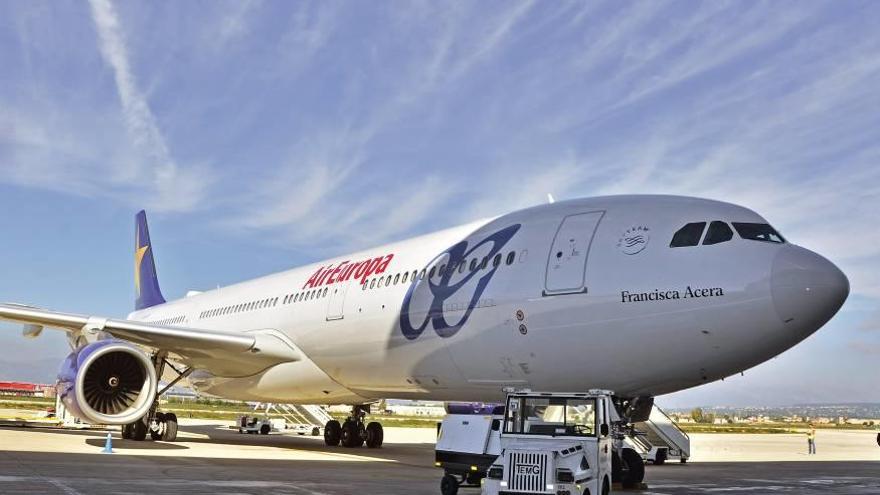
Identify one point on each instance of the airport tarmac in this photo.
(211, 458)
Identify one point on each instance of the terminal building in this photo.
(21, 389)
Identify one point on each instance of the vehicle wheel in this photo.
(606, 487)
(265, 429)
(170, 433)
(316, 431)
(351, 434)
(139, 430)
(126, 431)
(616, 468)
(375, 435)
(683, 460)
(878, 439)
(635, 468)
(332, 433)
(448, 485)
(660, 458)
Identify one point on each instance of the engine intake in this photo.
(107, 382)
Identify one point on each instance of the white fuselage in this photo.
(587, 294)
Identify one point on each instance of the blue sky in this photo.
(262, 135)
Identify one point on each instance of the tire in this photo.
(660, 458)
(316, 431)
(448, 485)
(332, 433)
(606, 487)
(126, 432)
(170, 433)
(265, 429)
(683, 460)
(139, 431)
(635, 469)
(351, 434)
(616, 468)
(375, 435)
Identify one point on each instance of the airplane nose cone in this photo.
(807, 289)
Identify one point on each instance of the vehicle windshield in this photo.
(758, 232)
(554, 416)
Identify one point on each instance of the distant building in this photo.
(21, 389)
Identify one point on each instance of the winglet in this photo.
(146, 283)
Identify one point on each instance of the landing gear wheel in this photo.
(332, 433)
(635, 469)
(170, 433)
(684, 460)
(265, 429)
(139, 430)
(316, 431)
(126, 432)
(448, 485)
(375, 435)
(352, 434)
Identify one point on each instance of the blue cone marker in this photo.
(108, 445)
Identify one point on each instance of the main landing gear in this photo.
(159, 425)
(352, 432)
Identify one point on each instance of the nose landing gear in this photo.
(353, 432)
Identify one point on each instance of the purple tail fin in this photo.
(146, 283)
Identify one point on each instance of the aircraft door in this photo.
(336, 301)
(567, 262)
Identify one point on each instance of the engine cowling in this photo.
(108, 382)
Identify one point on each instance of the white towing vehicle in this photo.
(561, 444)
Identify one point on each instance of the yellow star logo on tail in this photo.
(139, 254)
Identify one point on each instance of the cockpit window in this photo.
(718, 232)
(758, 232)
(689, 235)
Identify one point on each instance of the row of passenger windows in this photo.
(402, 278)
(170, 321)
(474, 265)
(719, 231)
(240, 308)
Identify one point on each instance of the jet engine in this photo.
(108, 382)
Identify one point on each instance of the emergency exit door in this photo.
(567, 263)
(336, 303)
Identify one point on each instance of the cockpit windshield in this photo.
(758, 232)
(554, 416)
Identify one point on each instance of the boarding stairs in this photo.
(302, 418)
(661, 431)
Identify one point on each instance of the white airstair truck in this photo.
(559, 444)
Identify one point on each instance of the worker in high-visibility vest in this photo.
(811, 440)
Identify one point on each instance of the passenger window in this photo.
(758, 232)
(441, 271)
(510, 257)
(484, 263)
(415, 275)
(373, 283)
(431, 273)
(388, 281)
(405, 276)
(689, 235)
(474, 265)
(718, 232)
(422, 275)
(325, 292)
(496, 260)
(396, 278)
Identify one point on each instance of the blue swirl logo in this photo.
(441, 290)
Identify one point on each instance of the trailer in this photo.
(467, 444)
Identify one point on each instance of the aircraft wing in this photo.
(224, 353)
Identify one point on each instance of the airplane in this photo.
(640, 294)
